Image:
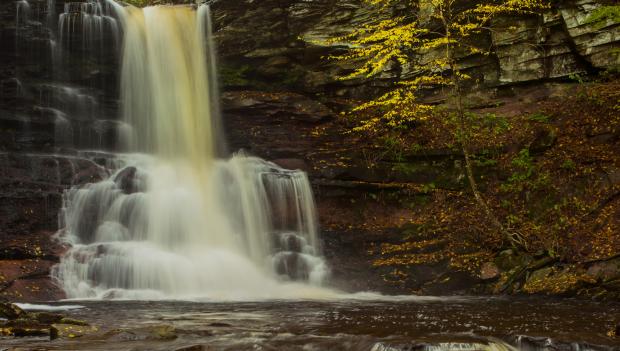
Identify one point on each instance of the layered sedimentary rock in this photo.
(275, 48)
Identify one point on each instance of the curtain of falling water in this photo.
(164, 84)
(176, 221)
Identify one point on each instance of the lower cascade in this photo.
(172, 220)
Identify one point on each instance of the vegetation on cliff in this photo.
(430, 43)
(544, 176)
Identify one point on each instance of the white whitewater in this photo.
(173, 220)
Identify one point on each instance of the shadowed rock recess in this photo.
(59, 79)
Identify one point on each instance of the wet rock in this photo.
(292, 163)
(45, 317)
(605, 271)
(291, 264)
(290, 105)
(72, 321)
(292, 243)
(10, 311)
(126, 180)
(24, 326)
(155, 332)
(508, 260)
(162, 332)
(70, 330)
(593, 41)
(540, 274)
(26, 330)
(192, 348)
(489, 271)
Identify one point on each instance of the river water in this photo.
(432, 323)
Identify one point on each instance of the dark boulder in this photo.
(10, 311)
(126, 180)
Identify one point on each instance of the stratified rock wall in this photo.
(273, 60)
(58, 93)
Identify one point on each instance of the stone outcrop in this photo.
(275, 47)
(55, 97)
(19, 323)
(278, 45)
(271, 56)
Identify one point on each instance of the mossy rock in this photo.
(10, 311)
(72, 321)
(154, 332)
(540, 274)
(70, 331)
(35, 330)
(508, 260)
(45, 317)
(24, 327)
(163, 332)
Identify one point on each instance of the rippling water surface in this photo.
(399, 324)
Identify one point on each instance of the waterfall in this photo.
(21, 16)
(87, 22)
(174, 219)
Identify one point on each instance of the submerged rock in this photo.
(61, 330)
(125, 180)
(192, 348)
(72, 321)
(162, 332)
(45, 317)
(154, 332)
(20, 323)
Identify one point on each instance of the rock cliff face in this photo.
(58, 93)
(277, 43)
(273, 48)
(270, 53)
(58, 90)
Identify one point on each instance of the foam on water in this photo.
(50, 308)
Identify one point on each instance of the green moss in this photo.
(292, 78)
(234, 75)
(601, 15)
(568, 164)
(483, 160)
(539, 117)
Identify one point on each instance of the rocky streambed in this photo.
(358, 322)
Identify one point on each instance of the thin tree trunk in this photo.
(461, 135)
(462, 138)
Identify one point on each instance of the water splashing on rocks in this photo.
(177, 221)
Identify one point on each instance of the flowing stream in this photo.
(394, 324)
(175, 218)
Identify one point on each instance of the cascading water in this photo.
(177, 221)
